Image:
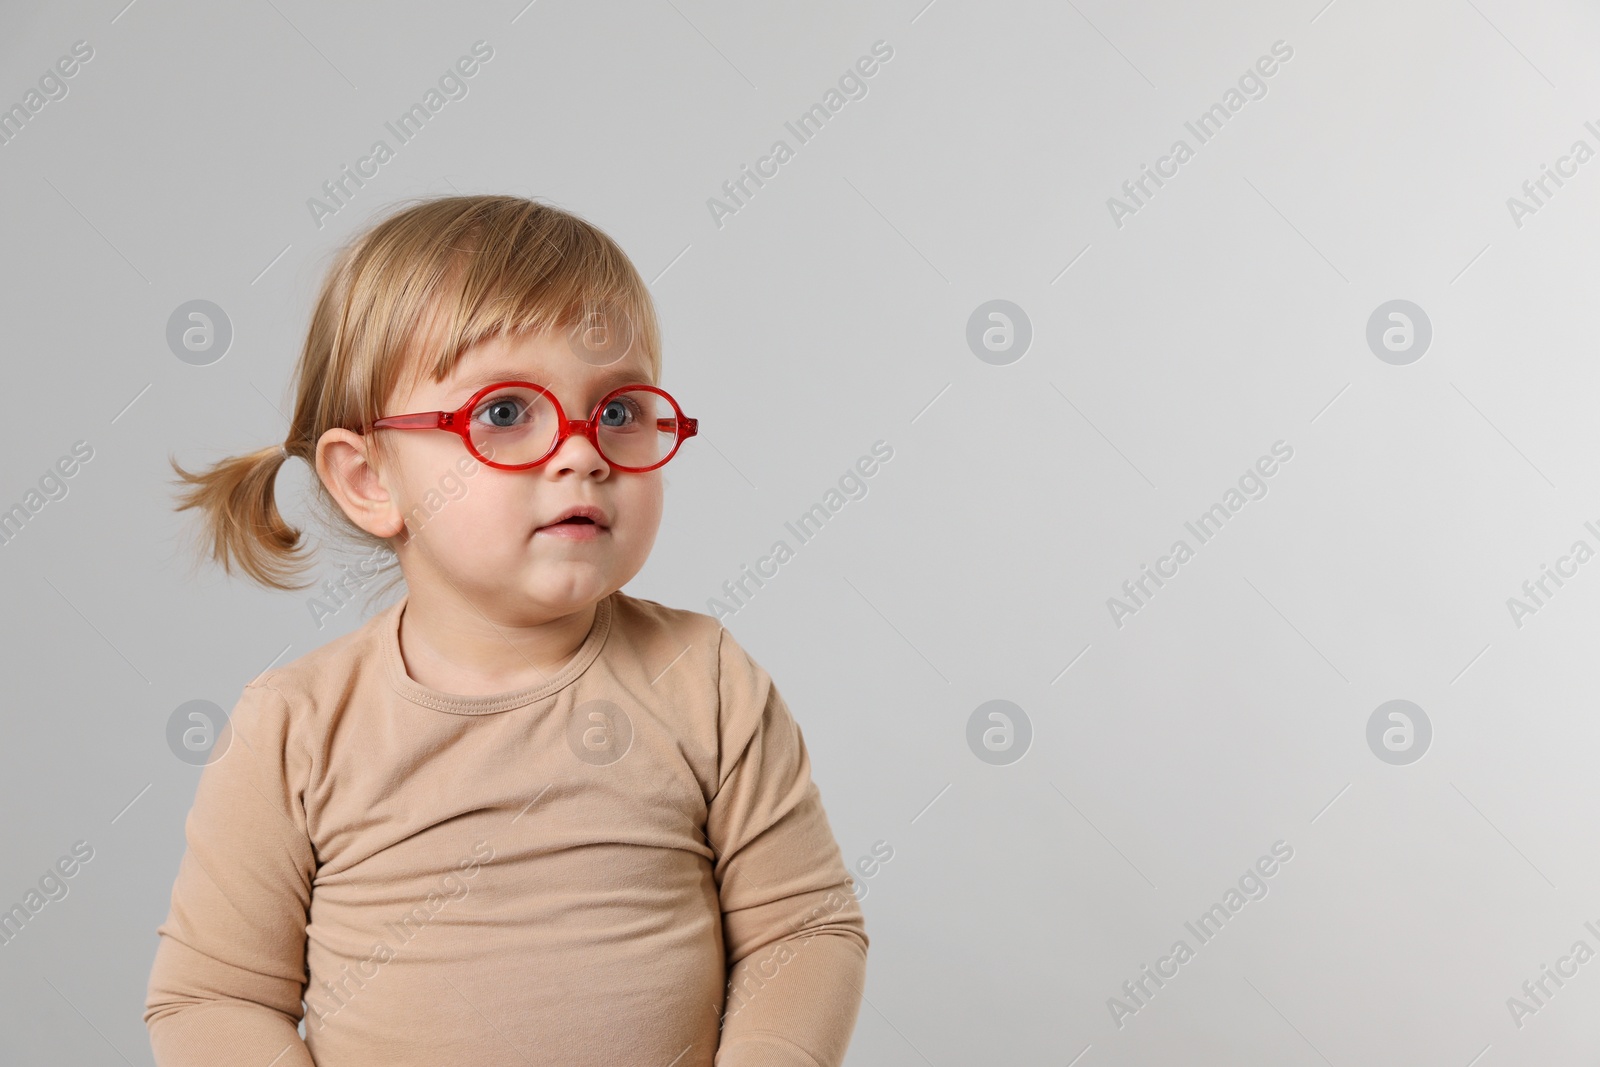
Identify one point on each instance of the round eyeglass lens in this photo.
(637, 428)
(514, 425)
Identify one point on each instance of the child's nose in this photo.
(577, 452)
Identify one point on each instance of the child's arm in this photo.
(794, 933)
(229, 970)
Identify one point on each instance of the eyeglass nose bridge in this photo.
(588, 429)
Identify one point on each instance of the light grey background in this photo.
(1168, 354)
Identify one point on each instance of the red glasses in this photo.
(635, 428)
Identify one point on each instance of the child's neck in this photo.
(466, 654)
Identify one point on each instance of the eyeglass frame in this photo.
(459, 422)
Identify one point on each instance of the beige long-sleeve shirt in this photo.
(627, 864)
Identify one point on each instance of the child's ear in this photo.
(345, 465)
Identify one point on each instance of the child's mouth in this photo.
(574, 529)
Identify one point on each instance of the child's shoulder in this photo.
(641, 615)
(327, 673)
(652, 629)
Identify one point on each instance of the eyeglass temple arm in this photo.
(689, 427)
(426, 420)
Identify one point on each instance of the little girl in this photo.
(519, 817)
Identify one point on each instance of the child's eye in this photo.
(501, 411)
(620, 412)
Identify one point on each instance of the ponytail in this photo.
(241, 519)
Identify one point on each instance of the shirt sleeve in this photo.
(229, 970)
(793, 930)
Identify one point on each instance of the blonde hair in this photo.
(407, 297)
